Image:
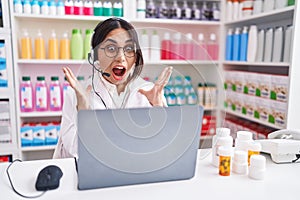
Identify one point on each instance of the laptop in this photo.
(138, 145)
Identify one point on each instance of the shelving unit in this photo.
(280, 17)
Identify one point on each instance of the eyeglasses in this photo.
(112, 51)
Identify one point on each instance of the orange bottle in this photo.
(65, 47)
(53, 46)
(39, 46)
(26, 49)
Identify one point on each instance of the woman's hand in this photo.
(82, 94)
(156, 95)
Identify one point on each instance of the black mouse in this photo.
(48, 178)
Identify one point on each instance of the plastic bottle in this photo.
(287, 43)
(155, 47)
(196, 12)
(41, 94)
(26, 7)
(213, 47)
(66, 87)
(55, 94)
(235, 9)
(176, 47)
(291, 2)
(257, 7)
(243, 140)
(236, 45)
(252, 43)
(229, 45)
(87, 42)
(44, 8)
(175, 12)
(141, 9)
(69, 7)
(186, 11)
(80, 79)
(39, 46)
(268, 45)
(98, 8)
(107, 8)
(215, 12)
(52, 7)
(88, 8)
(162, 10)
(257, 167)
(229, 10)
(64, 47)
(188, 47)
(244, 45)
(166, 44)
(26, 95)
(35, 7)
(269, 5)
(225, 154)
(222, 138)
(278, 45)
(200, 93)
(240, 164)
(77, 50)
(200, 51)
(18, 8)
(260, 45)
(26, 49)
(145, 44)
(117, 9)
(78, 7)
(53, 46)
(253, 149)
(60, 9)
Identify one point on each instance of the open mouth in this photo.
(119, 71)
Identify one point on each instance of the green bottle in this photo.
(87, 42)
(77, 50)
(291, 2)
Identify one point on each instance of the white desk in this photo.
(282, 181)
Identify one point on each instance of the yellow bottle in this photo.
(65, 47)
(53, 46)
(39, 46)
(26, 49)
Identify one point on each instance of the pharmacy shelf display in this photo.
(200, 70)
(8, 134)
(279, 30)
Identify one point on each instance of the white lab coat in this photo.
(67, 142)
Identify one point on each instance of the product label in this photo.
(26, 97)
(55, 97)
(41, 97)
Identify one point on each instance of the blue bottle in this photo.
(229, 45)
(244, 44)
(236, 44)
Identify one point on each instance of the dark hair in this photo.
(105, 27)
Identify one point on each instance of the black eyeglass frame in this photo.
(117, 52)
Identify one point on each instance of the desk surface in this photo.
(281, 182)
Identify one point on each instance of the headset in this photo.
(92, 58)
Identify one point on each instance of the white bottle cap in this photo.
(200, 37)
(224, 151)
(213, 36)
(240, 157)
(167, 36)
(255, 146)
(177, 36)
(222, 132)
(189, 36)
(244, 135)
(258, 161)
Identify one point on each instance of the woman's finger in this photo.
(164, 76)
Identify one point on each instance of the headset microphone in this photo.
(90, 57)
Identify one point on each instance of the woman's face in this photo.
(116, 56)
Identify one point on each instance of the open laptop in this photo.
(138, 145)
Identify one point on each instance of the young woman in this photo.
(116, 83)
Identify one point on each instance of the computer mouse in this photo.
(48, 178)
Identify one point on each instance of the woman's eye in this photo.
(129, 48)
(111, 48)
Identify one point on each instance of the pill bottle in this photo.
(243, 140)
(257, 167)
(254, 149)
(224, 160)
(239, 163)
(222, 138)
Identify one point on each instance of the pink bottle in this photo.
(55, 94)
(213, 47)
(65, 87)
(26, 94)
(176, 50)
(166, 45)
(69, 7)
(41, 94)
(78, 7)
(88, 8)
(188, 47)
(200, 48)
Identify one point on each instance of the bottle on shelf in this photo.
(26, 7)
(44, 7)
(287, 43)
(41, 94)
(236, 44)
(244, 45)
(88, 8)
(107, 8)
(18, 8)
(26, 49)
(268, 45)
(64, 47)
(148, 11)
(39, 46)
(65, 88)
(26, 95)
(213, 47)
(117, 9)
(87, 42)
(269, 5)
(188, 47)
(162, 10)
(175, 11)
(229, 45)
(166, 45)
(60, 9)
(55, 94)
(235, 9)
(176, 48)
(145, 44)
(200, 48)
(196, 12)
(98, 8)
(52, 7)
(53, 46)
(229, 10)
(78, 7)
(257, 7)
(260, 45)
(77, 50)
(215, 12)
(186, 11)
(35, 7)
(155, 47)
(252, 43)
(69, 7)
(278, 45)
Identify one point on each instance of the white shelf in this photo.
(244, 63)
(41, 114)
(38, 148)
(274, 15)
(170, 21)
(54, 62)
(252, 119)
(181, 62)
